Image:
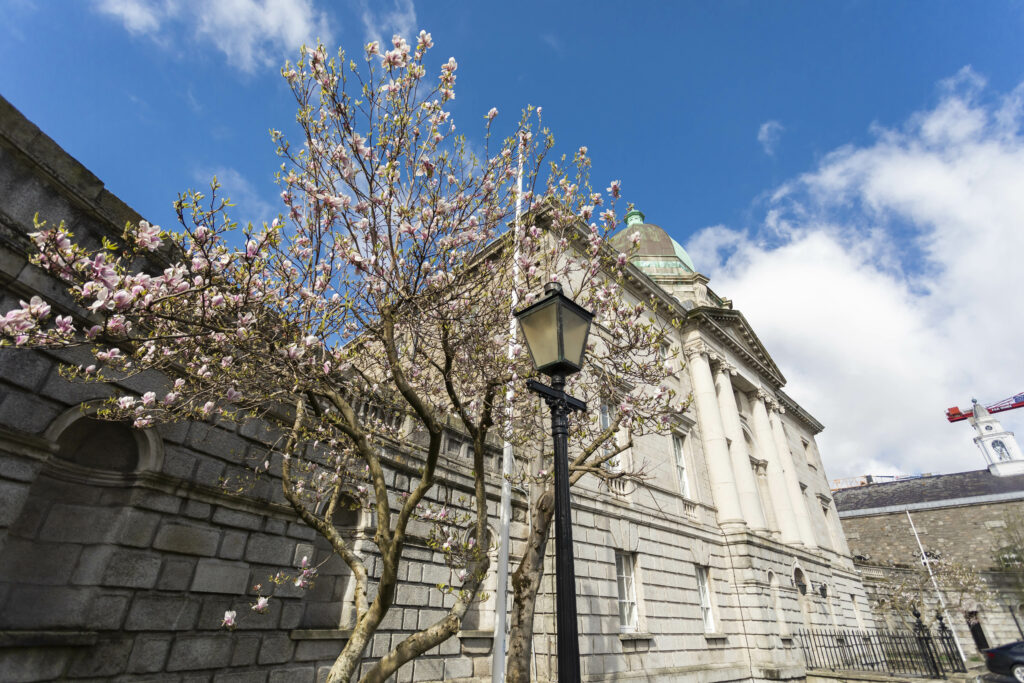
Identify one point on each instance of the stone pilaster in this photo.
(716, 449)
(796, 495)
(781, 496)
(746, 482)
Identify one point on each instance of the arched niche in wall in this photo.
(76, 508)
(776, 604)
(800, 581)
(802, 587)
(103, 445)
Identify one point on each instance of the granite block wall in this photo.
(971, 534)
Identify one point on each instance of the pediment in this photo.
(731, 328)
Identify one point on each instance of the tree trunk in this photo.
(345, 666)
(525, 584)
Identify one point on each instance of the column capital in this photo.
(724, 367)
(764, 396)
(697, 348)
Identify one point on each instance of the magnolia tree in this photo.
(370, 318)
(906, 589)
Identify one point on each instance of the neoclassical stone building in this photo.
(120, 550)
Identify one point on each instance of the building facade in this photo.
(975, 519)
(121, 549)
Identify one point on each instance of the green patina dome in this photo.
(656, 251)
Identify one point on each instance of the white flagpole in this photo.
(935, 585)
(507, 463)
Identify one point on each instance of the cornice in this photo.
(799, 413)
(710, 319)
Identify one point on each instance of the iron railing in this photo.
(919, 652)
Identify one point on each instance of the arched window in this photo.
(800, 582)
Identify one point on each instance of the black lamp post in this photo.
(556, 330)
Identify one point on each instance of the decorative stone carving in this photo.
(696, 348)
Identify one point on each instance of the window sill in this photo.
(476, 642)
(479, 633)
(635, 635)
(715, 636)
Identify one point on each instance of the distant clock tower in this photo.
(999, 446)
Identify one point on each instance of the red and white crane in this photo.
(954, 414)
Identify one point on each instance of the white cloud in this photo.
(138, 16)
(251, 33)
(552, 41)
(769, 135)
(886, 284)
(380, 22)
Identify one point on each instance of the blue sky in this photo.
(842, 171)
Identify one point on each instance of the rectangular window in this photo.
(606, 416)
(667, 358)
(825, 511)
(624, 566)
(454, 446)
(808, 453)
(612, 464)
(679, 447)
(704, 588)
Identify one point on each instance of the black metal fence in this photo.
(899, 653)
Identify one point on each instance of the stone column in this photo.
(716, 451)
(796, 494)
(781, 496)
(746, 481)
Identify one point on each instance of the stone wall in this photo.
(970, 534)
(118, 559)
(967, 533)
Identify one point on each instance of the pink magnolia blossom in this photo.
(148, 236)
(291, 313)
(63, 324)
